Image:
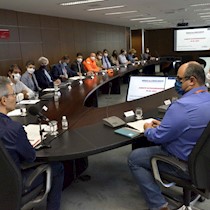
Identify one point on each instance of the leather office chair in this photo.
(198, 166)
(11, 189)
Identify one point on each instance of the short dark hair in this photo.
(79, 54)
(30, 62)
(196, 70)
(65, 57)
(13, 66)
(99, 53)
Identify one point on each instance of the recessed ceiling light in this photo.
(79, 2)
(205, 16)
(200, 10)
(104, 8)
(143, 18)
(150, 21)
(198, 5)
(204, 13)
(119, 13)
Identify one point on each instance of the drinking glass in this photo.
(53, 127)
(138, 113)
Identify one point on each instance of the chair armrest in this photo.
(26, 165)
(169, 160)
(37, 172)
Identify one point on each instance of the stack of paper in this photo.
(33, 133)
(139, 124)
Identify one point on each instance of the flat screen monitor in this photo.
(192, 39)
(142, 86)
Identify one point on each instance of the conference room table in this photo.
(87, 135)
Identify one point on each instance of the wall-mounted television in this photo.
(142, 86)
(192, 39)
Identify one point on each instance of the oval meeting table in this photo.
(87, 135)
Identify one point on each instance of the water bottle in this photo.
(64, 123)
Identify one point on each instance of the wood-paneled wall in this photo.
(161, 43)
(32, 36)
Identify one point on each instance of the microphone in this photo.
(35, 112)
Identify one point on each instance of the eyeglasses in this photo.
(11, 94)
(181, 78)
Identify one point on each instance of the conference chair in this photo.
(14, 196)
(198, 166)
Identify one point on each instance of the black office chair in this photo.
(14, 196)
(198, 166)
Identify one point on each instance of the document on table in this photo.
(33, 133)
(76, 78)
(26, 102)
(14, 113)
(50, 89)
(139, 124)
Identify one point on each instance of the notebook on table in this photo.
(129, 132)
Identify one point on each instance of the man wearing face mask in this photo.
(90, 64)
(176, 134)
(77, 65)
(29, 78)
(22, 91)
(106, 61)
(61, 70)
(43, 76)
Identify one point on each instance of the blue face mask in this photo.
(64, 64)
(178, 88)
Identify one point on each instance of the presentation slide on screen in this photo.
(142, 86)
(196, 39)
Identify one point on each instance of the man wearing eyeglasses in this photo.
(176, 134)
(15, 140)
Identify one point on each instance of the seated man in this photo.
(43, 76)
(176, 134)
(77, 65)
(15, 140)
(122, 57)
(29, 78)
(106, 61)
(61, 70)
(90, 64)
(19, 88)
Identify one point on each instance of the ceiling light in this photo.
(205, 16)
(79, 2)
(150, 21)
(200, 10)
(103, 8)
(198, 5)
(144, 18)
(204, 13)
(119, 13)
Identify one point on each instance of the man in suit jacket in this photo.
(43, 76)
(77, 65)
(61, 70)
(29, 78)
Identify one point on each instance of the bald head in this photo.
(193, 69)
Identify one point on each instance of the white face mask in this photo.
(92, 58)
(99, 57)
(105, 54)
(30, 70)
(79, 60)
(16, 76)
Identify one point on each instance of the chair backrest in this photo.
(199, 161)
(10, 181)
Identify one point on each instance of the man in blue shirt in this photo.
(176, 134)
(14, 137)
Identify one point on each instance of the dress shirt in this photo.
(19, 87)
(90, 65)
(106, 62)
(30, 81)
(183, 123)
(14, 137)
(122, 59)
